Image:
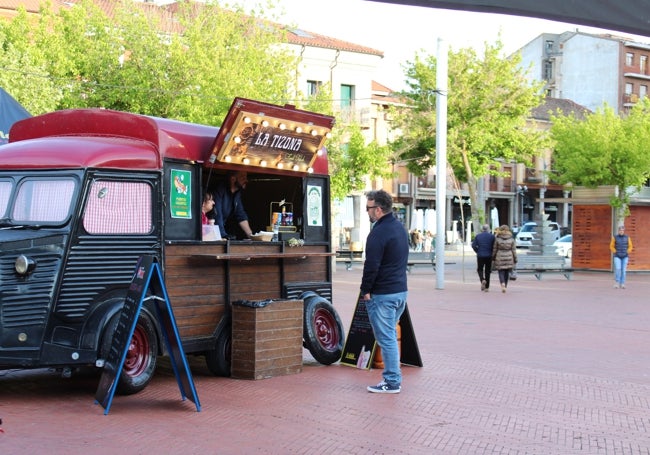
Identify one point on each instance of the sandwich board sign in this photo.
(360, 346)
(147, 276)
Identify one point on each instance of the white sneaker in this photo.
(622, 286)
(616, 286)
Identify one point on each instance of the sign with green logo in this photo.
(180, 194)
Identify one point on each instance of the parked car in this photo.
(526, 234)
(564, 246)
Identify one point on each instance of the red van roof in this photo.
(103, 138)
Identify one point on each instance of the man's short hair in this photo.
(485, 227)
(382, 199)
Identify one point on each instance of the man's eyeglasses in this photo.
(368, 207)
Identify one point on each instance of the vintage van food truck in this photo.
(85, 193)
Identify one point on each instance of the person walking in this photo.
(504, 255)
(383, 284)
(620, 246)
(482, 246)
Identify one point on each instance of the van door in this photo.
(181, 205)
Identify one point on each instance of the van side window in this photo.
(44, 201)
(117, 207)
(5, 192)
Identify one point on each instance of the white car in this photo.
(526, 234)
(564, 246)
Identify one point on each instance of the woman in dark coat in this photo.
(504, 255)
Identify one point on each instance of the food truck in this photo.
(85, 193)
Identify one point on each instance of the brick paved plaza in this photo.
(550, 367)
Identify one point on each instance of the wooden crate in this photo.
(267, 341)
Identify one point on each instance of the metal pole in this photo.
(441, 160)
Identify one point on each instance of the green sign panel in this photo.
(180, 194)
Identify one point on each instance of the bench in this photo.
(540, 264)
(348, 257)
(420, 258)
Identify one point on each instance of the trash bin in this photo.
(266, 338)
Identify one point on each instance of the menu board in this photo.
(360, 345)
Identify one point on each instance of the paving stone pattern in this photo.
(552, 367)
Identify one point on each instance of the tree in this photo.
(24, 68)
(604, 149)
(141, 59)
(352, 161)
(489, 102)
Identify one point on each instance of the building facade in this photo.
(591, 70)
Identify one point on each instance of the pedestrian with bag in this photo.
(504, 255)
(482, 245)
(383, 284)
(620, 246)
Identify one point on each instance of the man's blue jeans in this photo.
(620, 266)
(384, 311)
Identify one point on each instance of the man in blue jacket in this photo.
(383, 285)
(482, 246)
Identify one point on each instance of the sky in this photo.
(401, 31)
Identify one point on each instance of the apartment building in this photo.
(591, 70)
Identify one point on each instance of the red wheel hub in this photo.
(137, 357)
(326, 332)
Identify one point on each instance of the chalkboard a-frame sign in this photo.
(360, 346)
(147, 276)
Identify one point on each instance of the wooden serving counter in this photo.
(204, 278)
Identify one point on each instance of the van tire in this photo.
(140, 361)
(219, 359)
(323, 333)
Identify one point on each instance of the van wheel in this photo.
(323, 333)
(140, 361)
(219, 359)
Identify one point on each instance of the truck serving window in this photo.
(5, 192)
(117, 207)
(43, 201)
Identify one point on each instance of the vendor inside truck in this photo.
(228, 212)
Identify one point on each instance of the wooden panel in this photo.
(267, 341)
(601, 192)
(196, 290)
(592, 231)
(201, 286)
(593, 227)
(636, 226)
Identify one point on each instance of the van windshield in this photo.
(528, 228)
(37, 201)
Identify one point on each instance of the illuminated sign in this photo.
(266, 135)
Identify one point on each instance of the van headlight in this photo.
(24, 265)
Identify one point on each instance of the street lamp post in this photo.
(521, 192)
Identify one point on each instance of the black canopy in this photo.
(10, 112)
(629, 16)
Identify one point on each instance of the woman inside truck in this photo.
(207, 207)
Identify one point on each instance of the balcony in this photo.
(532, 175)
(351, 115)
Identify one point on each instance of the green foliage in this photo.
(24, 72)
(189, 67)
(352, 161)
(489, 102)
(604, 149)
